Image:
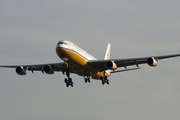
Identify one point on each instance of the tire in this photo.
(70, 80)
(65, 80)
(103, 82)
(67, 84)
(86, 80)
(72, 84)
(89, 80)
(108, 82)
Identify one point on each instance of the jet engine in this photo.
(48, 69)
(151, 61)
(111, 65)
(21, 70)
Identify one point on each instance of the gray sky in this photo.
(29, 31)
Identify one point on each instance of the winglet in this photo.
(108, 52)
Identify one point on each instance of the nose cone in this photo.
(58, 45)
(60, 49)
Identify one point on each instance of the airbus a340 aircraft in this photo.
(80, 62)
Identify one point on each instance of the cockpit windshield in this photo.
(62, 43)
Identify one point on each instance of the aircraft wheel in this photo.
(72, 84)
(108, 82)
(67, 84)
(65, 80)
(103, 82)
(89, 80)
(86, 80)
(70, 80)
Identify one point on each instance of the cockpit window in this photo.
(62, 43)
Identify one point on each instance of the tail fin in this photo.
(107, 57)
(108, 52)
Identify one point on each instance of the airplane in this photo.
(78, 61)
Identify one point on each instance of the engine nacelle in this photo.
(111, 65)
(21, 70)
(48, 69)
(151, 61)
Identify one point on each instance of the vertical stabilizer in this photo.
(107, 57)
(108, 52)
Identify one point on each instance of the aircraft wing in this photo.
(101, 65)
(39, 67)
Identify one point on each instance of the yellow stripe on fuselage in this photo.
(75, 58)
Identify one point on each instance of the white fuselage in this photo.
(71, 46)
(77, 58)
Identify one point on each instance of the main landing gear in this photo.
(87, 79)
(68, 80)
(104, 80)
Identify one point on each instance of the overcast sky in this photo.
(30, 30)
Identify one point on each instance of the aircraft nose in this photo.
(61, 44)
(58, 45)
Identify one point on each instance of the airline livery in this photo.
(78, 61)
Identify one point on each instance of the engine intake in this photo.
(21, 70)
(151, 61)
(111, 65)
(48, 69)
